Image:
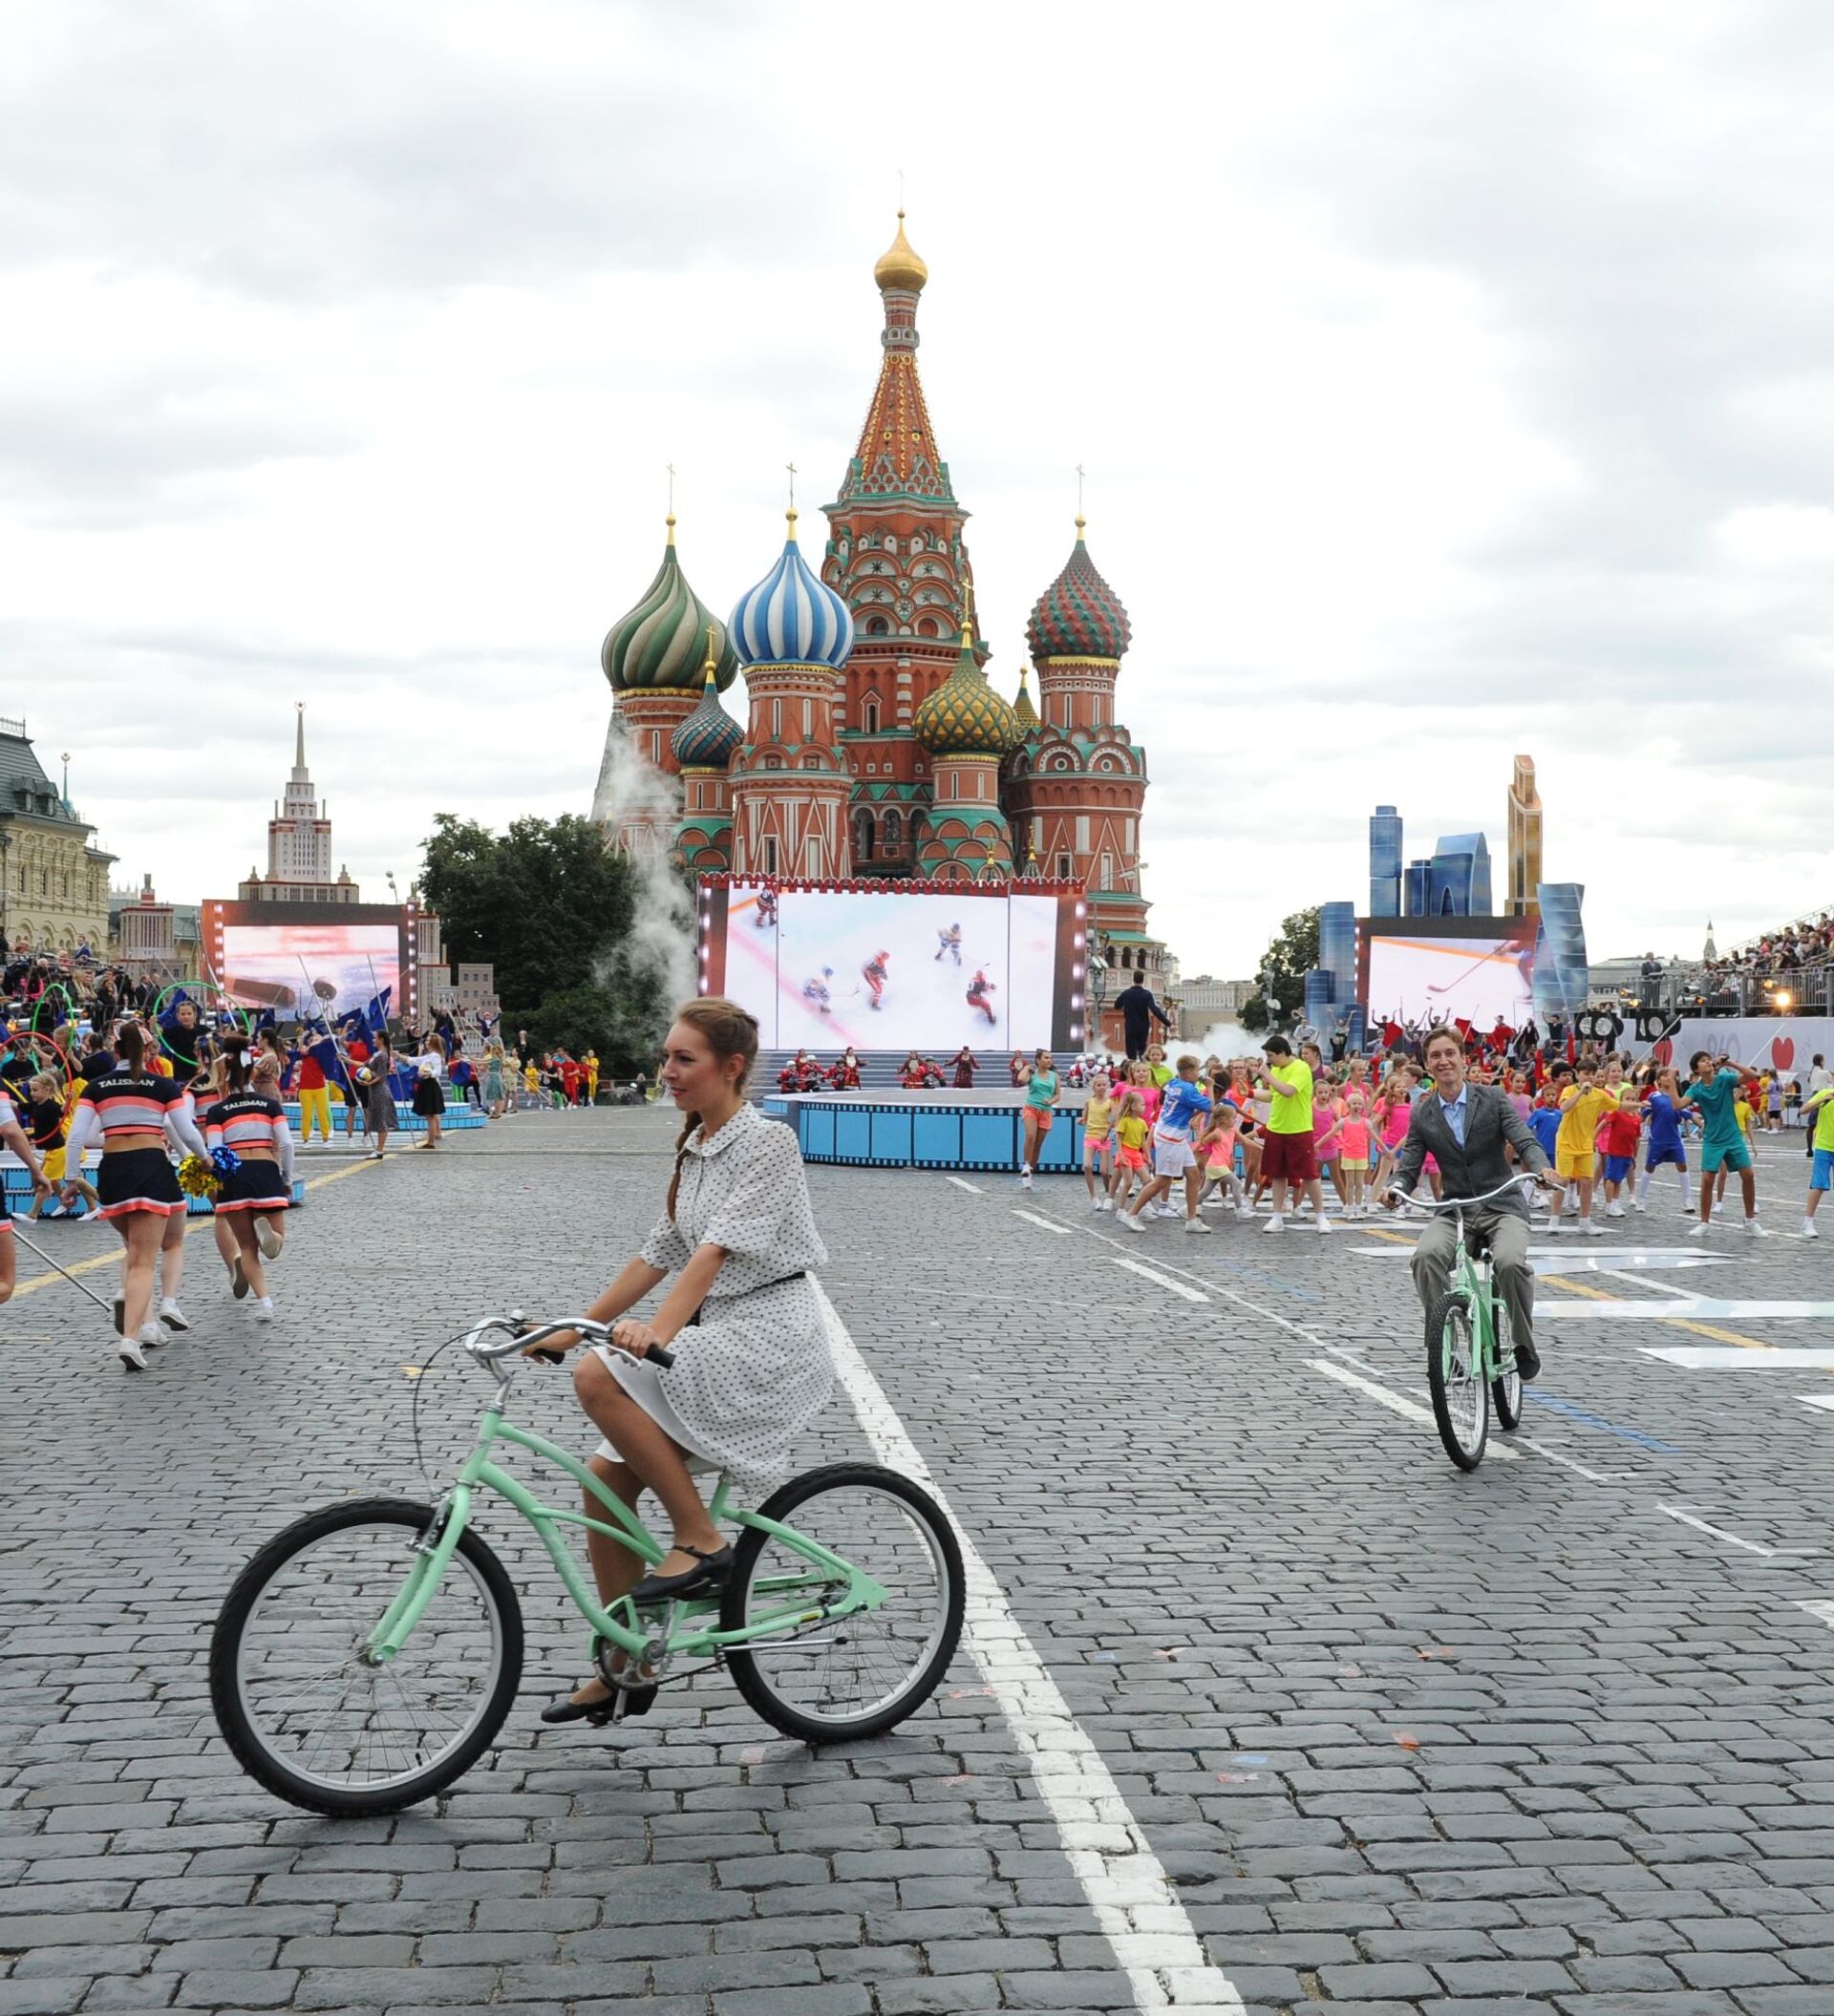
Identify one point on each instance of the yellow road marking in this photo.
(197, 1225)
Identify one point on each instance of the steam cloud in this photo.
(662, 934)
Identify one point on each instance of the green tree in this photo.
(551, 908)
(1286, 963)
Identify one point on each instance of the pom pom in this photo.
(226, 1161)
(197, 1177)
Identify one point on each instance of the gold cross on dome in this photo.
(790, 467)
(1078, 489)
(671, 490)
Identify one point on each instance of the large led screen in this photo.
(304, 971)
(821, 969)
(1471, 969)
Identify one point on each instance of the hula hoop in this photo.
(38, 1006)
(39, 1036)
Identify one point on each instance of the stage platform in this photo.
(925, 1129)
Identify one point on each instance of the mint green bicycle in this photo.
(1470, 1355)
(367, 1656)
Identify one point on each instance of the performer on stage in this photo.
(873, 972)
(964, 1069)
(12, 1136)
(134, 1112)
(251, 1123)
(844, 1074)
(978, 990)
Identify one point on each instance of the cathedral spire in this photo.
(299, 742)
(897, 458)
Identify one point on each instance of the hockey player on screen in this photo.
(949, 940)
(816, 991)
(978, 990)
(766, 913)
(873, 972)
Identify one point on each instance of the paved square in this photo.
(1558, 1735)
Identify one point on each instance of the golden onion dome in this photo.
(899, 266)
(965, 717)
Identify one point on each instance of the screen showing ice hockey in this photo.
(821, 969)
(304, 970)
(1478, 973)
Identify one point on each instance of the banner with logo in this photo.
(1787, 1044)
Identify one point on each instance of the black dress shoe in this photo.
(618, 1705)
(709, 1572)
(1527, 1362)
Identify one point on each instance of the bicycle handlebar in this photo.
(523, 1336)
(1457, 1203)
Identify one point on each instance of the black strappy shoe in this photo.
(618, 1705)
(709, 1572)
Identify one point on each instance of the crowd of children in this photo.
(1608, 1129)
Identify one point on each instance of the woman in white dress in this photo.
(743, 1318)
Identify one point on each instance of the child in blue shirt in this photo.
(1662, 1109)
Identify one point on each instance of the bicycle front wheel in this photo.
(857, 1676)
(309, 1716)
(1461, 1405)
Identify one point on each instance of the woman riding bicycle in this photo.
(753, 1367)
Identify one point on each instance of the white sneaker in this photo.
(263, 1308)
(1025, 1180)
(1246, 1213)
(1130, 1220)
(1324, 1224)
(151, 1335)
(1701, 1230)
(1614, 1210)
(1197, 1225)
(1274, 1224)
(1170, 1211)
(267, 1237)
(1637, 1206)
(133, 1358)
(1591, 1227)
(1554, 1228)
(1107, 1203)
(1808, 1229)
(1099, 1205)
(171, 1315)
(1754, 1230)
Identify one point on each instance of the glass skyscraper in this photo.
(1385, 862)
(1561, 985)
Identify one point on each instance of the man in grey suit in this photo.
(1463, 1128)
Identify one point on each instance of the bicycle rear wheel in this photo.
(1505, 1389)
(1461, 1406)
(307, 1716)
(859, 1675)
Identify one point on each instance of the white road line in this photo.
(1821, 1612)
(973, 1189)
(1134, 1901)
(1820, 1400)
(1718, 1533)
(1395, 1402)
(1031, 1217)
(1598, 1476)
(1740, 1357)
(1164, 1280)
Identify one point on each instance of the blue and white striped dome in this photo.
(791, 617)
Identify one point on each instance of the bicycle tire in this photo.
(753, 1679)
(1506, 1389)
(1452, 1313)
(245, 1740)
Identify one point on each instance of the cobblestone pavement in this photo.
(1402, 1739)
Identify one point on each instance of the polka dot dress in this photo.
(756, 1370)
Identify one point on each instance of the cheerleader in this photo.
(12, 1136)
(134, 1113)
(249, 1121)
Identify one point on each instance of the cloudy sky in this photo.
(1452, 381)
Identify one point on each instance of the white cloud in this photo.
(1451, 382)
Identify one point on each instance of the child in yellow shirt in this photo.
(1098, 1140)
(1581, 1109)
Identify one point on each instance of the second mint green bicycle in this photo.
(367, 1656)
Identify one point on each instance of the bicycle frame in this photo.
(1476, 1284)
(621, 1623)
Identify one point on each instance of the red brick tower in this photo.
(895, 553)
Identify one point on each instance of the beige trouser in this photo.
(1507, 1233)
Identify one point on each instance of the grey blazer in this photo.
(1478, 1165)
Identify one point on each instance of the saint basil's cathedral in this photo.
(875, 749)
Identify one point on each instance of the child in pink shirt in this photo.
(1354, 1136)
